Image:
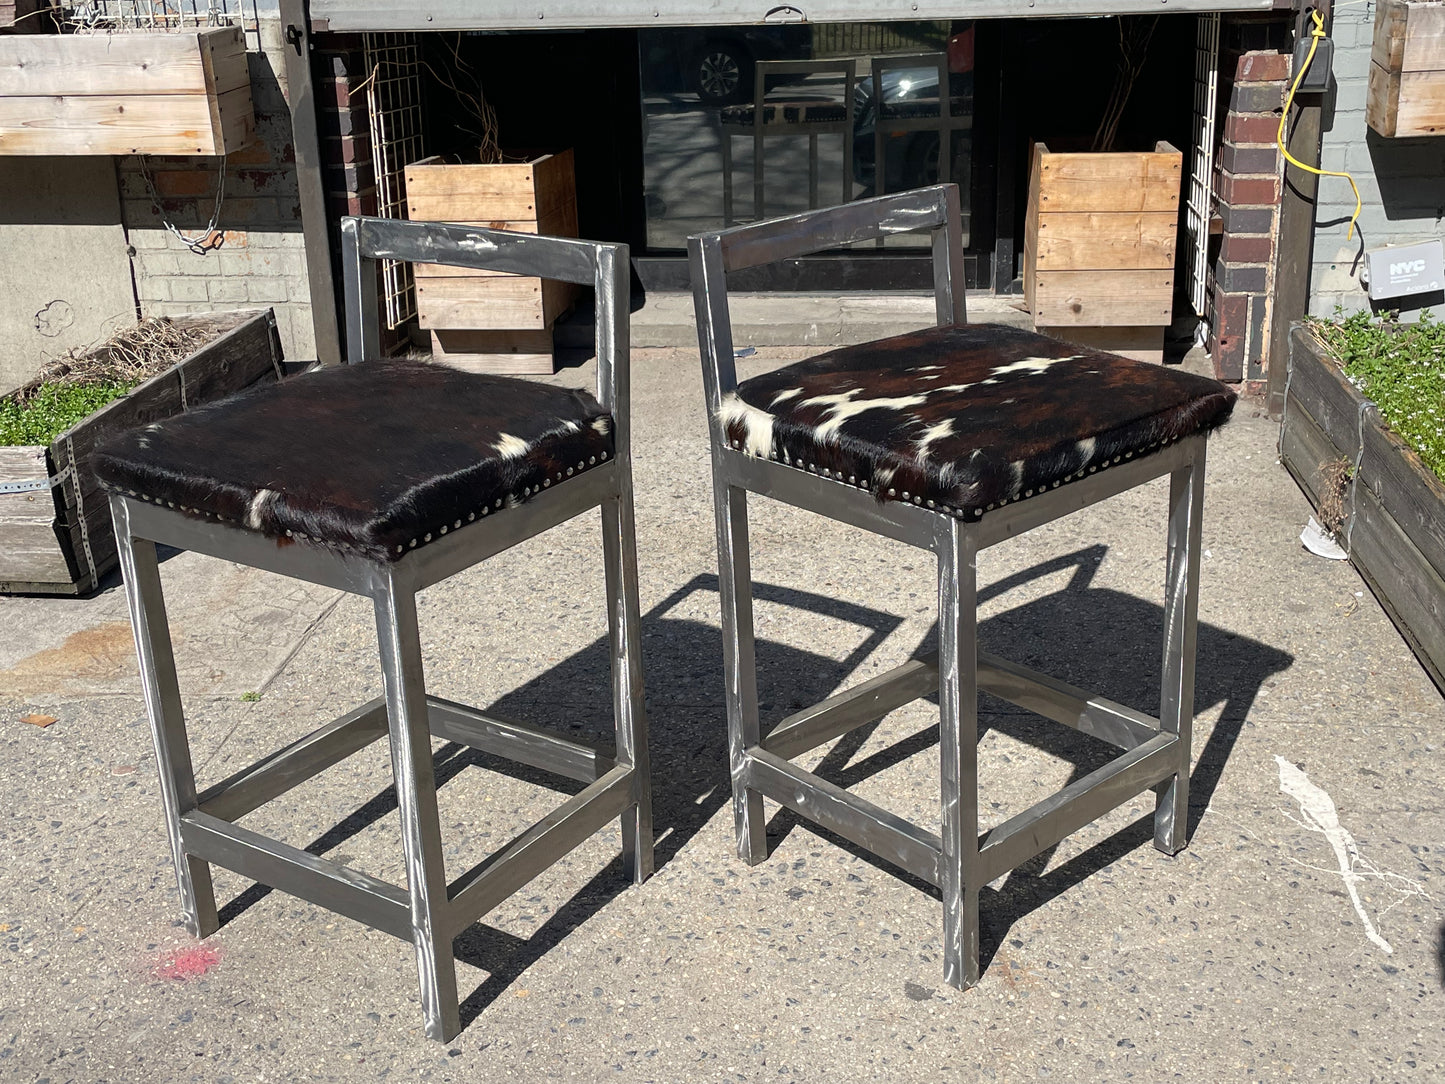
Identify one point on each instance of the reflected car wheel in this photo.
(723, 73)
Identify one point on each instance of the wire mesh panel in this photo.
(393, 96)
(103, 15)
(1201, 177)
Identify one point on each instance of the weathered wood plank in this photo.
(1409, 37)
(511, 353)
(1140, 343)
(439, 191)
(109, 65)
(1106, 240)
(146, 124)
(497, 303)
(1103, 298)
(1114, 181)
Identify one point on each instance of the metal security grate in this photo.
(110, 15)
(1201, 176)
(393, 87)
(393, 96)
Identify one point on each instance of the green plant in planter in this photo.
(53, 408)
(1400, 368)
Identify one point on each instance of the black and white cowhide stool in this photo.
(382, 478)
(952, 440)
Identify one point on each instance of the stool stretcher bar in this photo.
(882, 833)
(1082, 802)
(517, 742)
(500, 874)
(349, 892)
(272, 776)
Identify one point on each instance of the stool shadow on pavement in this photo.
(682, 659)
(1122, 634)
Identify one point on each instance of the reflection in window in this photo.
(749, 122)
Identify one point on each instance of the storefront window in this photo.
(742, 123)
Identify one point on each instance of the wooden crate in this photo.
(56, 537)
(486, 321)
(152, 92)
(1397, 540)
(1407, 70)
(1099, 240)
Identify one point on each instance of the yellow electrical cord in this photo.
(1315, 35)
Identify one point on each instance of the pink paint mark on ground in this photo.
(187, 964)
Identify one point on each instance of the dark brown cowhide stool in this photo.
(382, 478)
(951, 439)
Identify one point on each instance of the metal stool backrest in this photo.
(712, 255)
(605, 267)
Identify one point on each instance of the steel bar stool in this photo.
(950, 439)
(809, 117)
(382, 478)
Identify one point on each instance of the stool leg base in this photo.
(735, 586)
(416, 799)
(624, 632)
(159, 685)
(958, 751)
(1181, 612)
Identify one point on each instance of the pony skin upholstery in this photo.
(375, 458)
(967, 417)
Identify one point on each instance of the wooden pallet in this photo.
(58, 539)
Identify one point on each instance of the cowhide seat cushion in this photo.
(966, 418)
(378, 458)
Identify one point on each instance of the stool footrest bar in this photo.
(274, 775)
(875, 829)
(349, 892)
(570, 758)
(1064, 703)
(498, 875)
(850, 709)
(1083, 801)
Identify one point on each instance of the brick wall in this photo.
(1247, 180)
(343, 123)
(1402, 181)
(256, 255)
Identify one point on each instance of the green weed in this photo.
(1399, 367)
(53, 408)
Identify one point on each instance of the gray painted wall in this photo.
(1402, 181)
(64, 272)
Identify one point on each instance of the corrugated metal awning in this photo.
(355, 15)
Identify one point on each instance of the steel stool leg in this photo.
(958, 751)
(735, 585)
(416, 798)
(1181, 609)
(168, 723)
(624, 633)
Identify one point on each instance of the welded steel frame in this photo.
(958, 859)
(428, 911)
(944, 122)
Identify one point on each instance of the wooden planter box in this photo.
(483, 320)
(1407, 70)
(56, 538)
(1397, 541)
(1099, 247)
(151, 92)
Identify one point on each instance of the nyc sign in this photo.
(1404, 270)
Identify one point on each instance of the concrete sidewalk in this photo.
(1254, 955)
